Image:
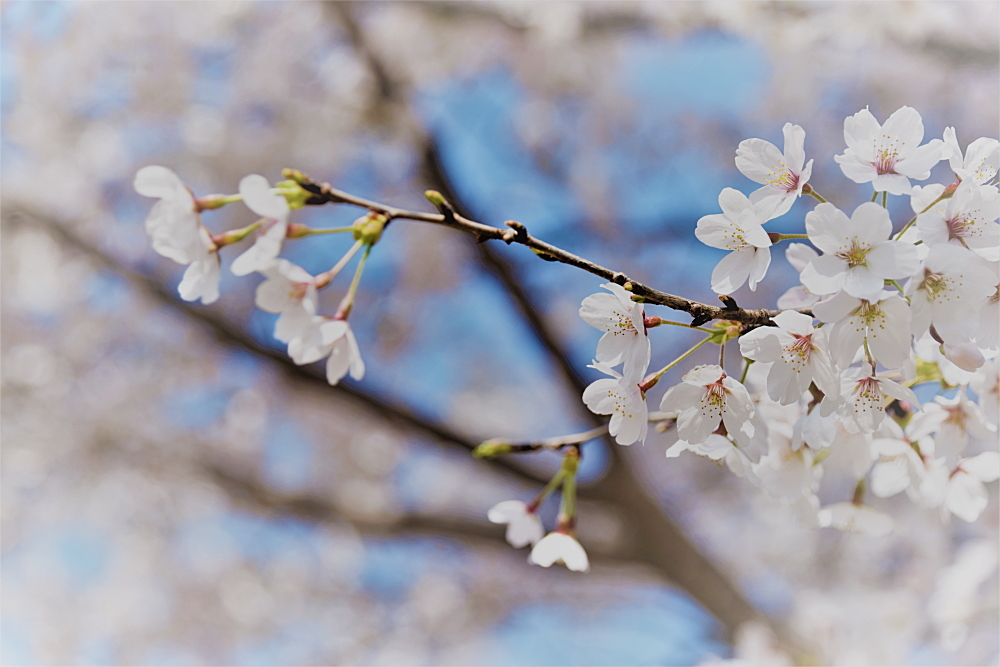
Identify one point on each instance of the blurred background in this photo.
(175, 492)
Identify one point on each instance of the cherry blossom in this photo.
(783, 175)
(900, 467)
(737, 228)
(259, 197)
(560, 547)
(986, 384)
(622, 321)
(718, 448)
(621, 398)
(325, 336)
(523, 525)
(785, 472)
(947, 292)
(854, 518)
(858, 256)
(884, 321)
(888, 156)
(291, 292)
(705, 397)
(988, 335)
(981, 159)
(964, 493)
(954, 419)
(799, 355)
(798, 255)
(966, 220)
(863, 397)
(174, 225)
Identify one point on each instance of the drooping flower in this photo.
(948, 292)
(953, 420)
(705, 397)
(325, 336)
(259, 197)
(718, 448)
(863, 398)
(981, 160)
(899, 467)
(622, 321)
(960, 490)
(967, 220)
(798, 255)
(737, 228)
(888, 156)
(782, 175)
(858, 256)
(797, 352)
(884, 320)
(174, 226)
(291, 292)
(523, 525)
(785, 472)
(559, 547)
(621, 398)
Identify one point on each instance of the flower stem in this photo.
(549, 488)
(722, 355)
(776, 237)
(874, 196)
(944, 195)
(859, 492)
(885, 199)
(679, 359)
(571, 462)
(868, 354)
(348, 303)
(325, 278)
(808, 190)
(658, 321)
(235, 235)
(335, 230)
(746, 369)
(213, 202)
(896, 285)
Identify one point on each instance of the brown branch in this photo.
(701, 313)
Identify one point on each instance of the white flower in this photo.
(988, 335)
(966, 220)
(622, 321)
(523, 526)
(858, 257)
(201, 279)
(847, 516)
(884, 321)
(888, 156)
(706, 396)
(259, 197)
(965, 496)
(559, 547)
(782, 175)
(324, 336)
(174, 224)
(981, 161)
(786, 472)
(718, 448)
(948, 292)
(899, 466)
(799, 355)
(986, 384)
(798, 255)
(953, 419)
(621, 398)
(290, 291)
(737, 228)
(862, 405)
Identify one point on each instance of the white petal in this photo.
(259, 198)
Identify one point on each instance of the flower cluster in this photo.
(877, 313)
(289, 291)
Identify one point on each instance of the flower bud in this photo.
(368, 229)
(491, 449)
(294, 193)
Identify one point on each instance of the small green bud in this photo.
(294, 175)
(435, 197)
(368, 229)
(491, 449)
(293, 193)
(724, 330)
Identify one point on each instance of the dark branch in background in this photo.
(657, 540)
(651, 538)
